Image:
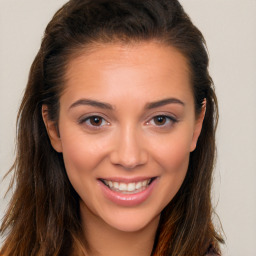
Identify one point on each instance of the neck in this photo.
(102, 239)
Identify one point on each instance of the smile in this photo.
(128, 193)
(127, 188)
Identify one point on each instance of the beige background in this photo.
(229, 27)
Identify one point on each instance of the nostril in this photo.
(128, 153)
(127, 163)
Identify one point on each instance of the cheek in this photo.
(175, 157)
(174, 162)
(172, 155)
(81, 155)
(81, 158)
(81, 151)
(173, 152)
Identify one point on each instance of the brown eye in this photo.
(163, 121)
(95, 120)
(160, 120)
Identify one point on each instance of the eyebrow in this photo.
(108, 106)
(164, 102)
(93, 103)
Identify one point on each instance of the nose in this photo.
(129, 150)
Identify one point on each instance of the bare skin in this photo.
(108, 241)
(126, 116)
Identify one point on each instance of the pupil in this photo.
(160, 120)
(96, 120)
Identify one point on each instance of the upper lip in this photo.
(127, 179)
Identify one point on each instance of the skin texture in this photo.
(127, 142)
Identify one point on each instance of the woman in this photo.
(116, 136)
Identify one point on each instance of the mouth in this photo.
(127, 187)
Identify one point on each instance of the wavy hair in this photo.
(43, 216)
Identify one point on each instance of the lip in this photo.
(128, 200)
(127, 180)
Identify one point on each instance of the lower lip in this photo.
(127, 199)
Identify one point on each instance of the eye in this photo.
(162, 121)
(94, 121)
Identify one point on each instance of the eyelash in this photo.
(169, 121)
(88, 121)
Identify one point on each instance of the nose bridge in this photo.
(129, 150)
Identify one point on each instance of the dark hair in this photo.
(43, 217)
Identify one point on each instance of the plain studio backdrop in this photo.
(229, 27)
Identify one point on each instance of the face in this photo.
(126, 126)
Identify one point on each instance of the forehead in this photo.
(148, 68)
(111, 55)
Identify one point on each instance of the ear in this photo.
(52, 130)
(198, 126)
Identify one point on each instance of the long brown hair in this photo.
(43, 216)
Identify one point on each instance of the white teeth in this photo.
(139, 185)
(122, 187)
(133, 187)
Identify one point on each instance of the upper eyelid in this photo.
(106, 122)
(172, 116)
(162, 113)
(91, 127)
(86, 116)
(173, 119)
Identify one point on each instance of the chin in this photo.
(129, 222)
